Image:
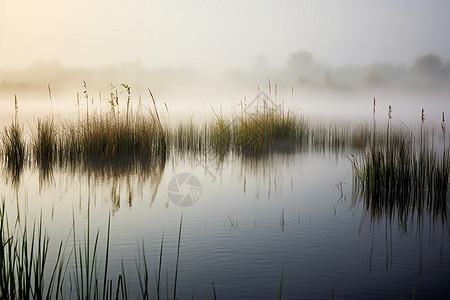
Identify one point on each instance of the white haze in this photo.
(206, 56)
(219, 34)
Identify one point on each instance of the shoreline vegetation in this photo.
(303, 69)
(387, 162)
(397, 174)
(80, 271)
(260, 128)
(391, 165)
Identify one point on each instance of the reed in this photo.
(23, 265)
(111, 136)
(141, 137)
(269, 130)
(45, 144)
(403, 176)
(220, 133)
(339, 137)
(188, 137)
(282, 282)
(83, 274)
(319, 138)
(97, 141)
(23, 258)
(14, 147)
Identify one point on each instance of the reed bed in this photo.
(44, 146)
(339, 138)
(396, 173)
(402, 176)
(270, 130)
(14, 150)
(130, 137)
(14, 147)
(109, 137)
(188, 137)
(391, 164)
(220, 136)
(23, 258)
(79, 271)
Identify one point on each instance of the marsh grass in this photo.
(82, 274)
(23, 258)
(402, 176)
(269, 130)
(189, 138)
(44, 150)
(45, 142)
(395, 163)
(14, 146)
(220, 136)
(395, 174)
(14, 152)
(110, 137)
(139, 137)
(80, 271)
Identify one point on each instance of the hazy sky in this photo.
(217, 34)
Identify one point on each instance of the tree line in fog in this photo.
(301, 69)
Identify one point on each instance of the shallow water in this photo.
(253, 220)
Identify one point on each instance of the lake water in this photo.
(251, 222)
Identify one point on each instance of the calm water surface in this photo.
(254, 220)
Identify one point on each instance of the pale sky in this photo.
(219, 34)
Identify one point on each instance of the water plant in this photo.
(14, 148)
(402, 176)
(220, 132)
(390, 161)
(188, 137)
(23, 258)
(25, 272)
(140, 136)
(268, 130)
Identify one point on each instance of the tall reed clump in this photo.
(14, 145)
(44, 143)
(188, 137)
(23, 262)
(269, 130)
(113, 137)
(338, 138)
(360, 137)
(89, 280)
(403, 176)
(25, 272)
(220, 132)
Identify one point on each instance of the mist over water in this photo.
(308, 215)
(303, 85)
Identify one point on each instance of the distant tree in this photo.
(300, 60)
(384, 74)
(260, 63)
(428, 64)
(301, 65)
(447, 69)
